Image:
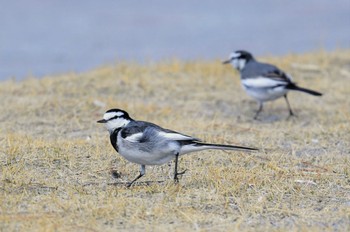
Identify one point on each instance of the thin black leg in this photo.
(142, 173)
(259, 110)
(289, 108)
(176, 174)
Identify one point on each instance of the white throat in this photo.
(239, 64)
(116, 123)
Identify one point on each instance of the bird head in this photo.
(239, 59)
(114, 119)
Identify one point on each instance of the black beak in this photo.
(226, 62)
(102, 121)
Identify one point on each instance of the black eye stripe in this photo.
(115, 117)
(118, 114)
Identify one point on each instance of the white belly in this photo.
(265, 94)
(136, 153)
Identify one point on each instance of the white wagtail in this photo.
(264, 82)
(146, 143)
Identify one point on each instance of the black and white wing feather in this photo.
(260, 75)
(149, 136)
(142, 132)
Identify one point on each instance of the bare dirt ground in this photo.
(56, 162)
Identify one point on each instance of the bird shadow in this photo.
(140, 183)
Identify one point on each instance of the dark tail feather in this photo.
(309, 91)
(226, 147)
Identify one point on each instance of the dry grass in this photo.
(56, 161)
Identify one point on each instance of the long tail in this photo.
(225, 147)
(198, 146)
(309, 91)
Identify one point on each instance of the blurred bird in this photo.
(264, 82)
(146, 143)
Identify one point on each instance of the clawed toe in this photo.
(176, 178)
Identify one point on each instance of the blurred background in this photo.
(41, 38)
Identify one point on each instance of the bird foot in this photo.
(176, 178)
(292, 115)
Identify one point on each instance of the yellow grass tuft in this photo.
(57, 163)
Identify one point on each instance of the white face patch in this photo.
(110, 115)
(238, 63)
(116, 123)
(234, 55)
(119, 113)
